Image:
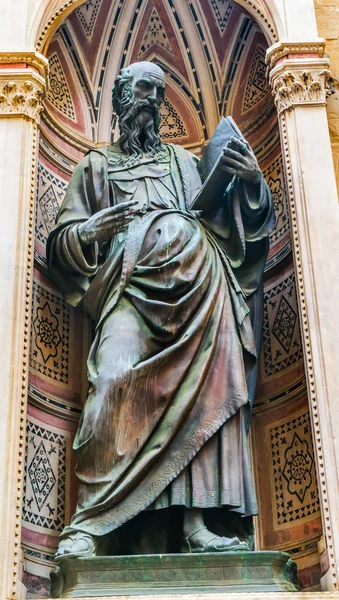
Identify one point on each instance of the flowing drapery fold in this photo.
(174, 341)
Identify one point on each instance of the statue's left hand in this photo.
(239, 159)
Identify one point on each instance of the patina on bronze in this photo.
(175, 300)
(213, 573)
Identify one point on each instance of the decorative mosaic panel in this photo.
(155, 34)
(171, 123)
(222, 10)
(275, 178)
(87, 14)
(58, 93)
(257, 84)
(286, 483)
(281, 333)
(296, 494)
(45, 474)
(50, 193)
(50, 331)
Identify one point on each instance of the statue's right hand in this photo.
(107, 223)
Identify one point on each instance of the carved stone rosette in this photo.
(23, 80)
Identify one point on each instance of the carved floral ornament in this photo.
(306, 87)
(21, 98)
(23, 83)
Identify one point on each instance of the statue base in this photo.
(153, 574)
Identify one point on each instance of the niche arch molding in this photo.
(270, 20)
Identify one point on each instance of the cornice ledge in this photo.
(306, 82)
(286, 49)
(28, 57)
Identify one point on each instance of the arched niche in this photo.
(217, 68)
(51, 14)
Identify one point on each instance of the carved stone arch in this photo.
(269, 19)
(268, 16)
(54, 14)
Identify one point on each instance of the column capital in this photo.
(301, 80)
(23, 84)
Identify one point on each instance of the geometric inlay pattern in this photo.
(155, 34)
(49, 207)
(49, 352)
(87, 14)
(284, 323)
(171, 125)
(257, 84)
(222, 10)
(296, 493)
(275, 179)
(41, 476)
(58, 93)
(50, 193)
(41, 556)
(44, 492)
(298, 467)
(281, 332)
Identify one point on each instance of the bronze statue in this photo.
(168, 289)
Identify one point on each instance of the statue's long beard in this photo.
(137, 134)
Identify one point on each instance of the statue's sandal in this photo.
(230, 544)
(71, 543)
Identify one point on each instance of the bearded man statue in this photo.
(169, 292)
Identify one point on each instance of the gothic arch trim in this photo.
(269, 20)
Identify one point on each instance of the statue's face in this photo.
(147, 83)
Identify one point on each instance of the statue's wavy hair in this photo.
(122, 91)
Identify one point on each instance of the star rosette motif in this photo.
(47, 336)
(298, 468)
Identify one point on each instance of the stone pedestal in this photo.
(174, 573)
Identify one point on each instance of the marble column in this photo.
(22, 86)
(301, 82)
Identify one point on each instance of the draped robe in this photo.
(164, 422)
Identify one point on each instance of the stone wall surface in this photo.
(327, 14)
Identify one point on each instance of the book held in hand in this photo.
(215, 180)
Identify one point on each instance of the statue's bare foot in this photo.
(77, 545)
(204, 540)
